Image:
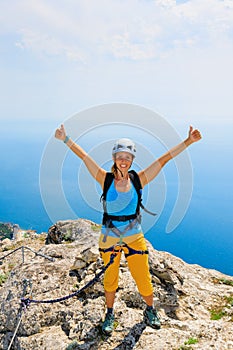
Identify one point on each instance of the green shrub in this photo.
(96, 228)
(3, 278)
(217, 314)
(72, 346)
(227, 282)
(5, 231)
(223, 281)
(191, 341)
(229, 300)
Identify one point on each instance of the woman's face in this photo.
(123, 160)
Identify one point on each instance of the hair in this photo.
(114, 169)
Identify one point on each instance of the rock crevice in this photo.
(188, 298)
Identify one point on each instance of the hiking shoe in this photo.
(151, 318)
(108, 324)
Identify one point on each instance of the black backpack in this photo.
(138, 187)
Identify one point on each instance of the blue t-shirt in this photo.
(120, 204)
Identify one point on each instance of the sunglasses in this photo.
(127, 159)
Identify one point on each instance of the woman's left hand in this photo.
(194, 135)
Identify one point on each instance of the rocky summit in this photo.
(195, 304)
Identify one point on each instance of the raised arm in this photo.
(152, 170)
(95, 170)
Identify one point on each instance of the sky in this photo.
(61, 57)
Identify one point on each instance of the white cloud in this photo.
(146, 51)
(130, 29)
(46, 44)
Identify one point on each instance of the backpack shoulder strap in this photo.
(136, 180)
(107, 183)
(138, 187)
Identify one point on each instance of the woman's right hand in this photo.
(60, 133)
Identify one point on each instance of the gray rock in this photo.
(184, 294)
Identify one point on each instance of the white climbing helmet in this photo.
(124, 145)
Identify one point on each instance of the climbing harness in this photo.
(111, 227)
(122, 245)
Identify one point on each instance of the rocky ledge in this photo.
(195, 304)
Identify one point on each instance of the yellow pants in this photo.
(138, 265)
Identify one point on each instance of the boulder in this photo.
(194, 303)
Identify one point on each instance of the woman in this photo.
(121, 225)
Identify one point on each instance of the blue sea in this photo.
(204, 236)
